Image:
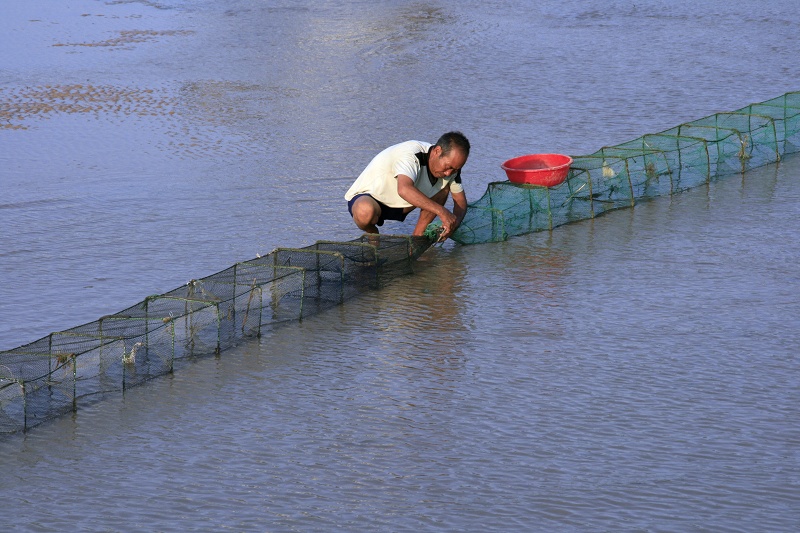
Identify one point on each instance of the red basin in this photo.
(546, 170)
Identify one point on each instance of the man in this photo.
(410, 175)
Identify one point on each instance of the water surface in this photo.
(633, 372)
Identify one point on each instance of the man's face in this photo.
(440, 166)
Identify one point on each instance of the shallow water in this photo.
(637, 371)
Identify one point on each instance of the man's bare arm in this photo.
(412, 195)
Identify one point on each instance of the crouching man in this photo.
(410, 175)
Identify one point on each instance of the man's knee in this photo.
(366, 211)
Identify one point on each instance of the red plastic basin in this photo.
(546, 170)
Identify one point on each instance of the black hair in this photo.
(453, 139)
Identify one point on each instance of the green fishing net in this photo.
(653, 165)
(48, 377)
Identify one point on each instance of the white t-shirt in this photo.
(409, 158)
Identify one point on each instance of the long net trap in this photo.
(46, 378)
(653, 165)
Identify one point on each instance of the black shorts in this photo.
(387, 213)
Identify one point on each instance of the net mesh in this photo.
(48, 377)
(653, 165)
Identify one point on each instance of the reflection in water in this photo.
(426, 316)
(539, 269)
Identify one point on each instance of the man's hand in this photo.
(459, 211)
(449, 225)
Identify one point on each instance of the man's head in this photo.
(448, 155)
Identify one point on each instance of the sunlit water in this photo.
(634, 372)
